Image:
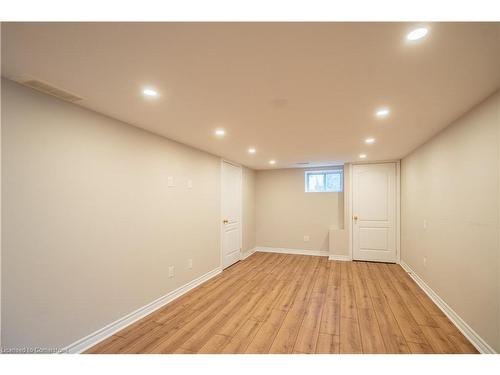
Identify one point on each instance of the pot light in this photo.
(362, 156)
(150, 92)
(369, 140)
(251, 150)
(272, 162)
(417, 33)
(382, 112)
(220, 132)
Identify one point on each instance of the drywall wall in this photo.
(90, 224)
(248, 197)
(0, 208)
(450, 216)
(498, 229)
(340, 237)
(285, 213)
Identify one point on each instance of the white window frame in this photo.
(324, 171)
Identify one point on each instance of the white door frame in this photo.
(221, 218)
(398, 207)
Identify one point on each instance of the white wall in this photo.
(340, 240)
(0, 207)
(452, 183)
(248, 204)
(285, 212)
(89, 223)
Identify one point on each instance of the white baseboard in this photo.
(343, 258)
(292, 251)
(245, 255)
(476, 340)
(105, 332)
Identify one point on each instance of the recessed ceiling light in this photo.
(251, 150)
(220, 132)
(362, 156)
(369, 140)
(382, 112)
(417, 33)
(272, 162)
(150, 92)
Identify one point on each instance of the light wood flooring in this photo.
(278, 303)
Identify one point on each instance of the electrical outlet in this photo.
(170, 181)
(425, 262)
(306, 238)
(171, 271)
(425, 224)
(190, 184)
(190, 263)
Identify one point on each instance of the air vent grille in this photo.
(49, 89)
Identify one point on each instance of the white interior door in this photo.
(374, 212)
(231, 214)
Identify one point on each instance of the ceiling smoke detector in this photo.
(279, 102)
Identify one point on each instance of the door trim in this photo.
(398, 207)
(221, 226)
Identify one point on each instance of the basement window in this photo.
(324, 181)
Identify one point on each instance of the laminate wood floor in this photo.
(280, 303)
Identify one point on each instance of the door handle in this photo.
(355, 218)
(225, 221)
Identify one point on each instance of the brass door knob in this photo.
(225, 221)
(355, 217)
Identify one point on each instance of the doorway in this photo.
(231, 213)
(374, 212)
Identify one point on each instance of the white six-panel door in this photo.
(231, 213)
(374, 212)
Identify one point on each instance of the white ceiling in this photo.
(297, 92)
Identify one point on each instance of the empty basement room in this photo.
(250, 188)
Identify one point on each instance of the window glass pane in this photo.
(333, 182)
(316, 182)
(324, 181)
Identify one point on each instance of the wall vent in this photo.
(49, 89)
